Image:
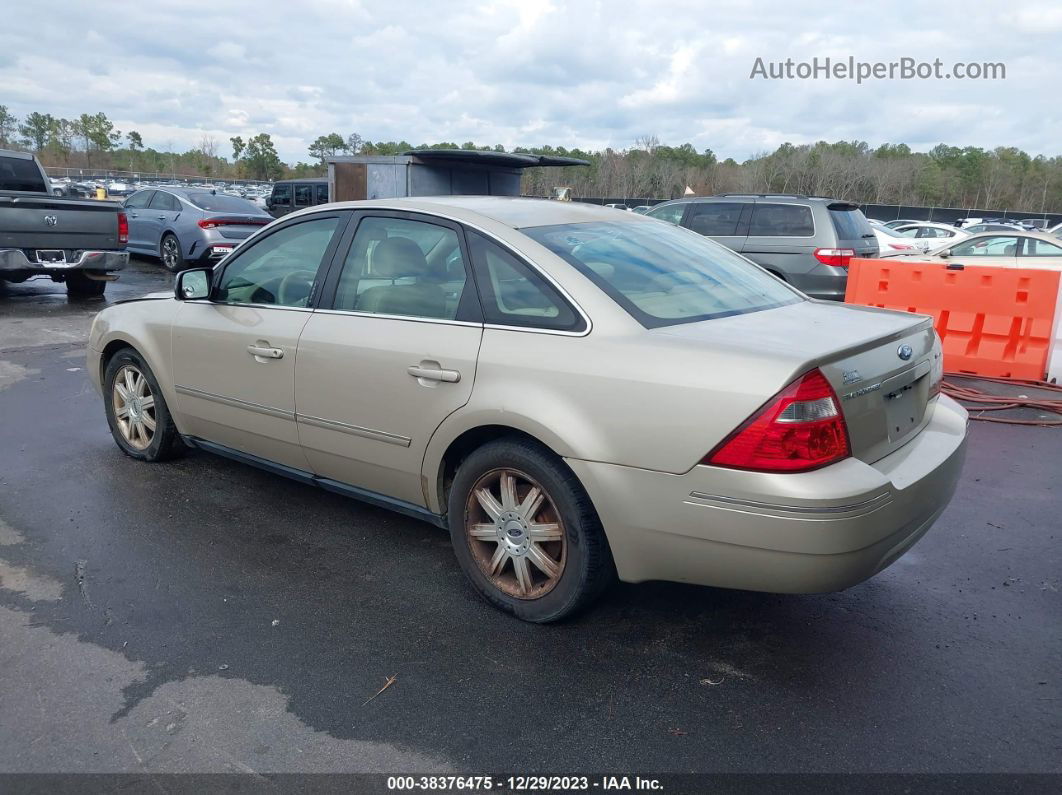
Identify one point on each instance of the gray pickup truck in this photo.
(77, 241)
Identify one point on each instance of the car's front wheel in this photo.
(170, 253)
(525, 532)
(137, 413)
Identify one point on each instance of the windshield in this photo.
(218, 203)
(663, 275)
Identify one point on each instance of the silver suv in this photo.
(805, 241)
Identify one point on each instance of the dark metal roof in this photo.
(501, 159)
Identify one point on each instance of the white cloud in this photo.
(577, 74)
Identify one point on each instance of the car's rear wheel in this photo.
(525, 532)
(80, 285)
(170, 253)
(137, 413)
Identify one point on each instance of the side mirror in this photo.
(945, 253)
(193, 284)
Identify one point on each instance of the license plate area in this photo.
(50, 256)
(905, 406)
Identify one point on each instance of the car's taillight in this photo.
(801, 428)
(901, 247)
(123, 229)
(210, 223)
(838, 257)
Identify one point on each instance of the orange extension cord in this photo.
(983, 401)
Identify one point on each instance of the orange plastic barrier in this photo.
(992, 321)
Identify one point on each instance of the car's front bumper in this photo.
(788, 533)
(15, 259)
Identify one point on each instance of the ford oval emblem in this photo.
(905, 352)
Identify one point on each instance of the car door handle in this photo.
(265, 352)
(434, 374)
(161, 217)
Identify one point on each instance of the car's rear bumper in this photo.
(15, 259)
(789, 533)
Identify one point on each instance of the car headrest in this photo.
(397, 257)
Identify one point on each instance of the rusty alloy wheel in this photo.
(134, 407)
(515, 533)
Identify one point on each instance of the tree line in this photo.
(1004, 178)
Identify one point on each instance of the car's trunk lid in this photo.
(882, 386)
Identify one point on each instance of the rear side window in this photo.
(19, 174)
(164, 201)
(715, 219)
(513, 294)
(1041, 248)
(782, 220)
(403, 267)
(303, 195)
(850, 224)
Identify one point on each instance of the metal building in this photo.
(433, 172)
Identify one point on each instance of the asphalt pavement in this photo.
(205, 616)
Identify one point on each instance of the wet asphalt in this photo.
(202, 615)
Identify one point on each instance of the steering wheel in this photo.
(294, 289)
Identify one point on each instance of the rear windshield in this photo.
(851, 224)
(218, 203)
(19, 174)
(663, 275)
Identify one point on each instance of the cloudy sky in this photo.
(529, 72)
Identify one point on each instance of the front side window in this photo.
(398, 266)
(513, 294)
(281, 195)
(994, 246)
(715, 219)
(672, 213)
(661, 275)
(279, 269)
(781, 220)
(139, 200)
(322, 194)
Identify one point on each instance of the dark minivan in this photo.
(805, 241)
(296, 194)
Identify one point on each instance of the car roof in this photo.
(513, 211)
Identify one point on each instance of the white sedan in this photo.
(891, 241)
(926, 235)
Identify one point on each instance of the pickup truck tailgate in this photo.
(36, 221)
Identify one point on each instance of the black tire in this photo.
(80, 285)
(165, 442)
(587, 561)
(170, 253)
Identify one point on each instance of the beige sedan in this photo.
(1006, 249)
(575, 394)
